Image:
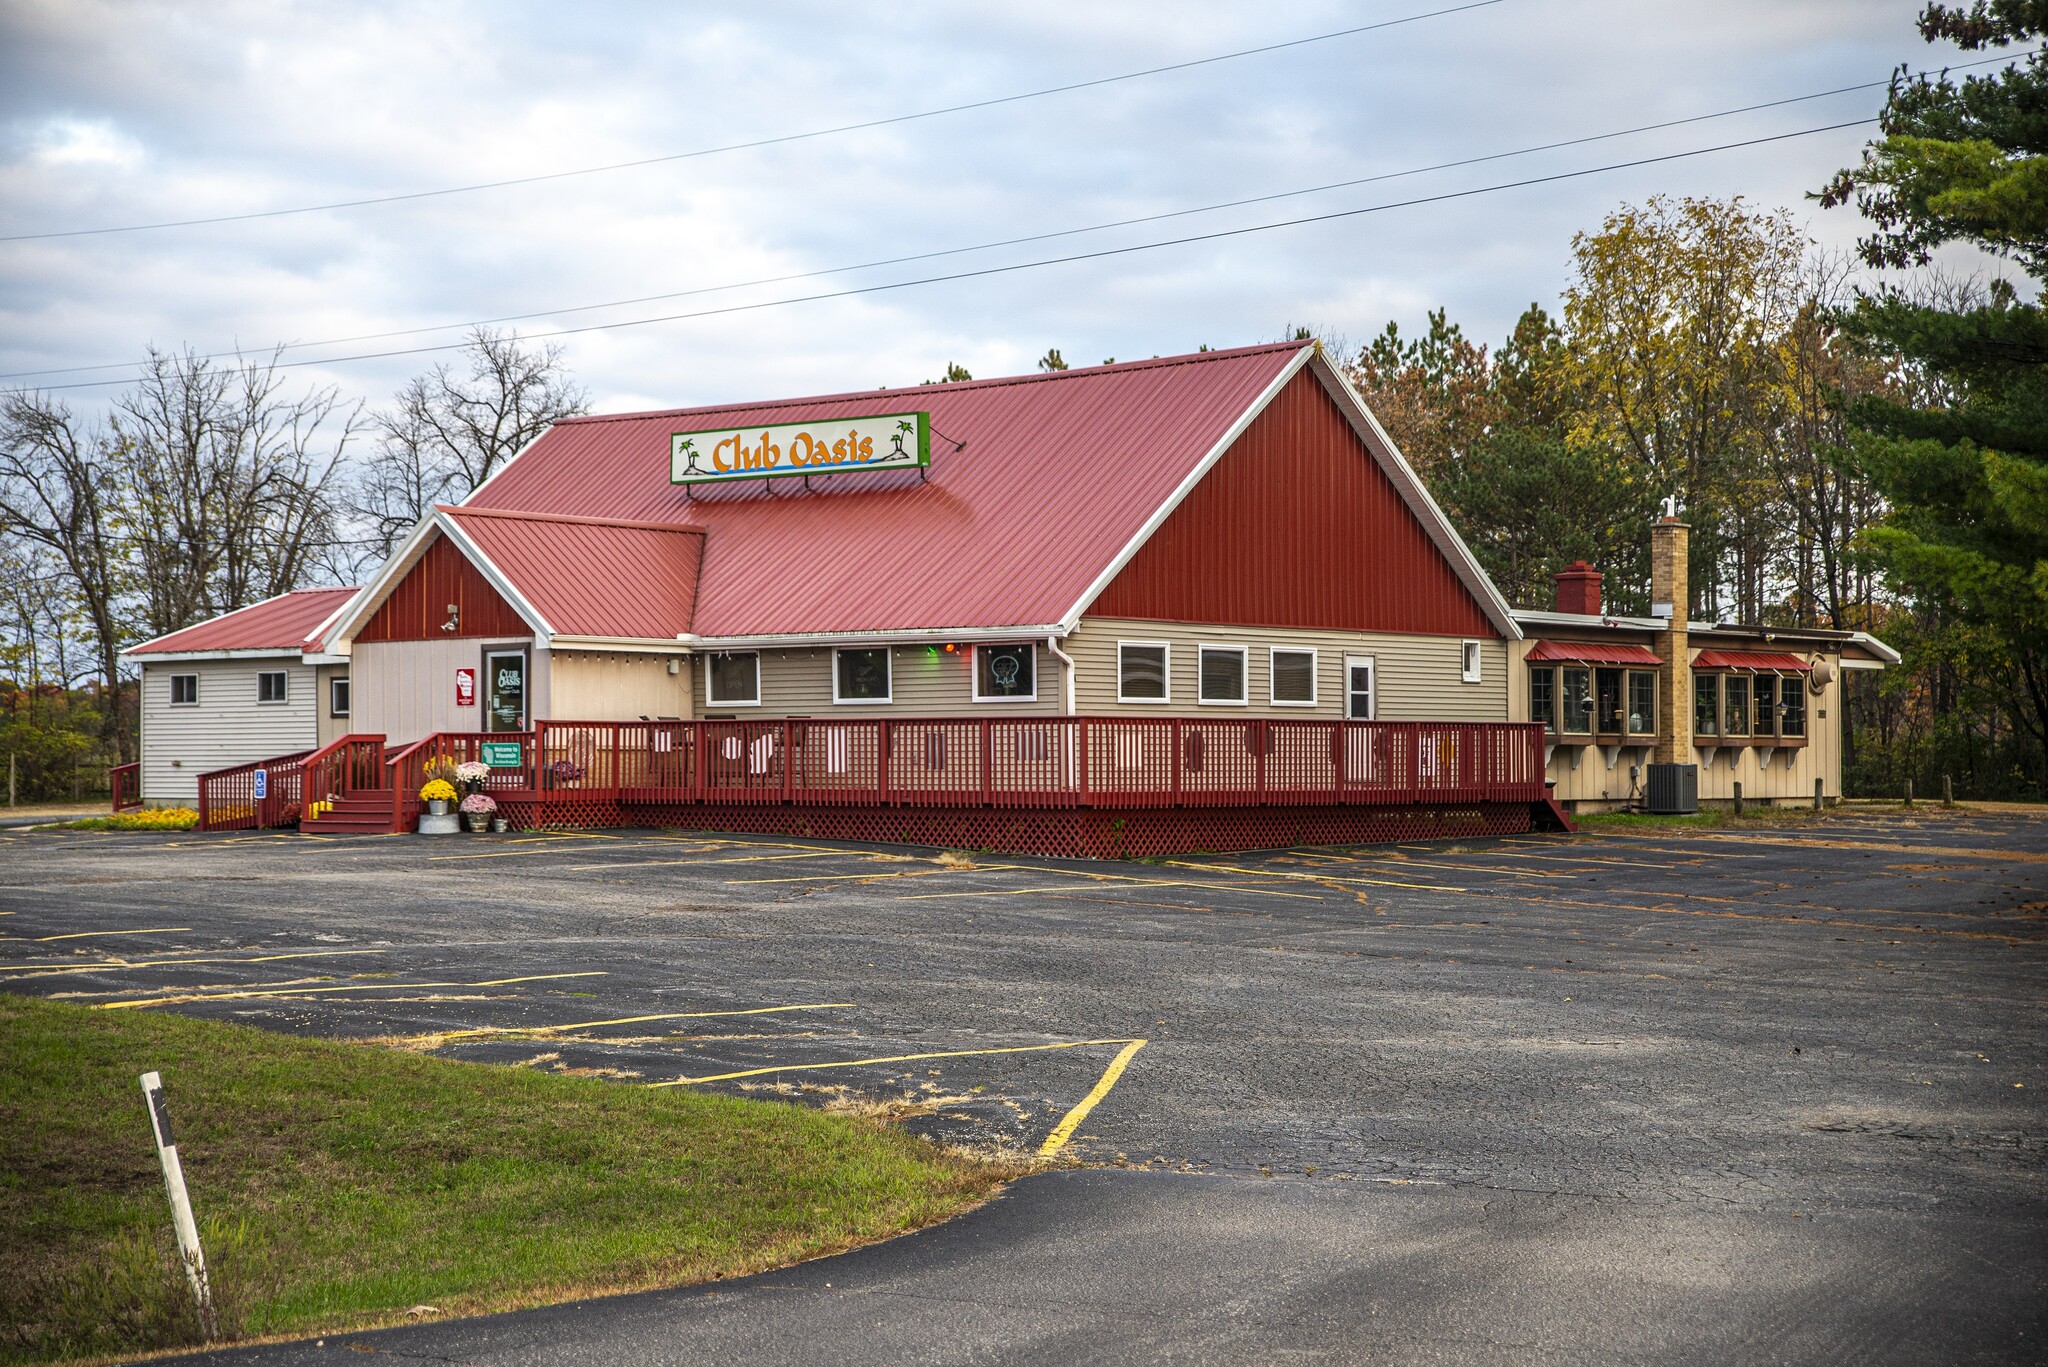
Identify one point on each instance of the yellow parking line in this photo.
(309, 991)
(109, 965)
(631, 1020)
(1315, 877)
(1064, 1131)
(893, 1058)
(1146, 882)
(839, 877)
(84, 934)
(742, 859)
(1393, 863)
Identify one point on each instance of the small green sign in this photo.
(500, 754)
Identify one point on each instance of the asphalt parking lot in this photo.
(1716, 1096)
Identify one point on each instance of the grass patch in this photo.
(1754, 816)
(339, 1186)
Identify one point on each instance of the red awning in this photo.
(1592, 653)
(1749, 659)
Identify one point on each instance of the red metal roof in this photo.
(1748, 659)
(590, 576)
(1059, 473)
(286, 622)
(1594, 653)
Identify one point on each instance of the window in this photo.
(1735, 704)
(1360, 700)
(337, 697)
(270, 686)
(1006, 673)
(1469, 661)
(860, 675)
(1543, 698)
(1607, 687)
(1222, 675)
(1706, 704)
(1141, 671)
(733, 680)
(1642, 703)
(1764, 691)
(1578, 701)
(504, 690)
(1294, 678)
(1792, 719)
(184, 690)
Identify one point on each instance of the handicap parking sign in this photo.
(263, 783)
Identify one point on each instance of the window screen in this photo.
(1470, 662)
(1294, 676)
(1006, 671)
(1706, 704)
(863, 675)
(270, 686)
(1222, 674)
(1578, 702)
(1543, 698)
(1735, 700)
(1766, 694)
(184, 689)
(337, 697)
(1141, 673)
(1642, 703)
(734, 679)
(1792, 720)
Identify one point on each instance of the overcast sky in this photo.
(121, 113)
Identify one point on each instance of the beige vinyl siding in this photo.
(332, 728)
(798, 683)
(1418, 678)
(227, 726)
(406, 689)
(616, 686)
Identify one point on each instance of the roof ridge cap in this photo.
(993, 382)
(521, 514)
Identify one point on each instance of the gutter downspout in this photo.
(1052, 643)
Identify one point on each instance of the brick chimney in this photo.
(1578, 589)
(1670, 540)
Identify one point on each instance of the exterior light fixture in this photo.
(454, 616)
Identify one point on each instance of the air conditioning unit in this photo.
(1674, 789)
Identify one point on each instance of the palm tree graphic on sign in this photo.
(688, 448)
(903, 427)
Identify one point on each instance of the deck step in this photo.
(358, 814)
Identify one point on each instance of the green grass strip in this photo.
(338, 1185)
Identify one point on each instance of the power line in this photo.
(757, 142)
(1065, 260)
(1019, 241)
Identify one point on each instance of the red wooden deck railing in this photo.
(124, 782)
(228, 799)
(1044, 762)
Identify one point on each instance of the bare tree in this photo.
(231, 484)
(60, 489)
(447, 432)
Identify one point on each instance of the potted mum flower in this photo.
(437, 794)
(478, 809)
(470, 776)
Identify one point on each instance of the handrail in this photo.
(228, 799)
(124, 785)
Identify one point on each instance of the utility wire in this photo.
(1065, 260)
(1019, 241)
(758, 142)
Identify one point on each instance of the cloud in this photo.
(144, 113)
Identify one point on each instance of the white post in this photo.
(181, 1204)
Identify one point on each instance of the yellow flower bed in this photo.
(317, 808)
(149, 819)
(440, 790)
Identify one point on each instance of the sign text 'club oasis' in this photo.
(884, 441)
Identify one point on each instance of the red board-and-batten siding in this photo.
(1296, 526)
(418, 604)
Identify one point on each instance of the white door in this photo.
(1359, 698)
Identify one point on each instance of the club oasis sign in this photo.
(885, 441)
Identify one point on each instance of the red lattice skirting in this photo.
(1081, 833)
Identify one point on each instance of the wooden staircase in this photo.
(362, 812)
